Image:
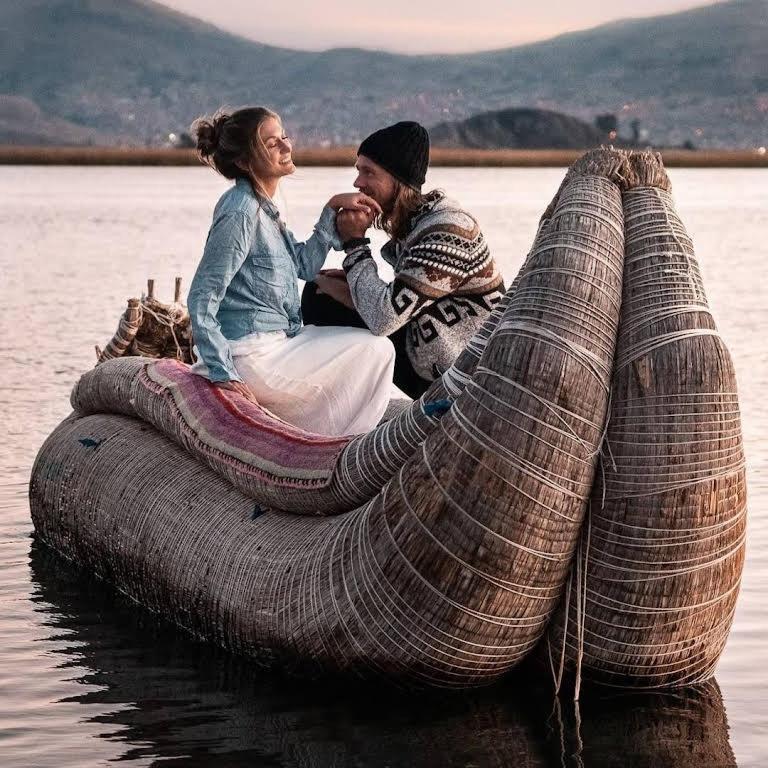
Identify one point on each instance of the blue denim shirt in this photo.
(246, 281)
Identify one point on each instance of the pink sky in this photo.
(415, 27)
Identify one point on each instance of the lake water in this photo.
(87, 678)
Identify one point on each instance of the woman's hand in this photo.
(355, 201)
(237, 386)
(335, 287)
(351, 224)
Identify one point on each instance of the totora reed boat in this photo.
(573, 483)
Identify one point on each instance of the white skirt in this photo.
(327, 380)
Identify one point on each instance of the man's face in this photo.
(374, 181)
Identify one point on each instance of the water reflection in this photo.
(646, 729)
(160, 695)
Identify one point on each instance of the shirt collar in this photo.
(266, 203)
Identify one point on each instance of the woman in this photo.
(244, 299)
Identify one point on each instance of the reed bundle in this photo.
(449, 575)
(655, 581)
(150, 328)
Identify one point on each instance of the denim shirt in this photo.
(246, 281)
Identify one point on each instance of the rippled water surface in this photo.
(87, 678)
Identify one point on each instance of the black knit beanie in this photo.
(402, 149)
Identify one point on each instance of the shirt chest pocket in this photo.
(273, 275)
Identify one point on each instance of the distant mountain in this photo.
(135, 69)
(517, 128)
(22, 122)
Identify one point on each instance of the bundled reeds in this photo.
(450, 574)
(655, 582)
(150, 328)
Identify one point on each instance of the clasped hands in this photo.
(355, 213)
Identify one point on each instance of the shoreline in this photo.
(345, 156)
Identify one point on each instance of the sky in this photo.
(415, 26)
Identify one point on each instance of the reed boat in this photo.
(436, 549)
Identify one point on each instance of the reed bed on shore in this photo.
(345, 157)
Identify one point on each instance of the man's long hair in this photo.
(395, 223)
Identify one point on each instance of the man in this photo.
(445, 280)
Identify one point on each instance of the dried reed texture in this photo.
(150, 328)
(606, 162)
(449, 575)
(129, 324)
(655, 583)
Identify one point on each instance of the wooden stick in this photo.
(177, 291)
(150, 289)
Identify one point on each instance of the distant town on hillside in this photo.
(130, 72)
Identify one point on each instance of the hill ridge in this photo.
(150, 70)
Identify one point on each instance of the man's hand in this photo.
(239, 387)
(351, 224)
(354, 201)
(334, 273)
(335, 287)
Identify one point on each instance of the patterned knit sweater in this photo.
(446, 283)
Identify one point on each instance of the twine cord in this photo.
(659, 562)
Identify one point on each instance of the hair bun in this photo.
(208, 133)
(225, 140)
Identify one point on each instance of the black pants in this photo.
(319, 309)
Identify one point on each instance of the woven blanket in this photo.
(236, 431)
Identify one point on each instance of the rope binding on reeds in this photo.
(150, 328)
(552, 464)
(653, 588)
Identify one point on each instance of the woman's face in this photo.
(278, 161)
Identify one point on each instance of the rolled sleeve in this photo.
(326, 228)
